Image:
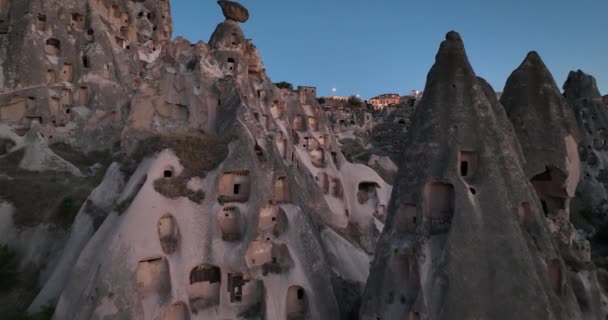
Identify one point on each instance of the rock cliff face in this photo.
(580, 90)
(590, 206)
(227, 198)
(68, 70)
(72, 66)
(464, 221)
(549, 134)
(149, 178)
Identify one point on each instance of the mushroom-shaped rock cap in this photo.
(580, 86)
(234, 10)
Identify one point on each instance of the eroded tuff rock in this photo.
(68, 70)
(581, 92)
(590, 206)
(463, 220)
(228, 198)
(544, 124)
(234, 11)
(73, 66)
(547, 130)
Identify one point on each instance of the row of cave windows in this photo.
(53, 48)
(235, 186)
(296, 295)
(439, 199)
(205, 281)
(77, 21)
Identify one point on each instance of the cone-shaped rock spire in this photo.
(463, 220)
(544, 123)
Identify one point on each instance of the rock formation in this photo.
(582, 94)
(226, 198)
(68, 70)
(463, 220)
(547, 132)
(549, 135)
(149, 178)
(590, 206)
(234, 11)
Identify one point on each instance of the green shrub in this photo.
(355, 101)
(121, 206)
(284, 85)
(176, 187)
(198, 153)
(46, 313)
(8, 268)
(602, 233)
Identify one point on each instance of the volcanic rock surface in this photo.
(463, 220)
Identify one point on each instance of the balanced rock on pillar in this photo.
(234, 11)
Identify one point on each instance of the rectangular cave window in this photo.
(464, 168)
(237, 189)
(235, 287)
(468, 163)
(440, 206)
(66, 72)
(545, 207)
(50, 76)
(168, 173)
(205, 274)
(334, 157)
(234, 39)
(85, 61)
(300, 294)
(53, 47)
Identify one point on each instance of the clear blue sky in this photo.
(371, 47)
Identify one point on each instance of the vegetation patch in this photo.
(80, 160)
(8, 268)
(198, 154)
(45, 313)
(174, 188)
(121, 206)
(43, 197)
(284, 85)
(96, 213)
(6, 145)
